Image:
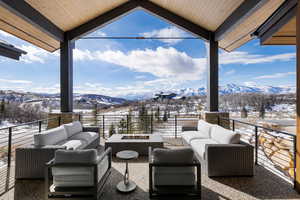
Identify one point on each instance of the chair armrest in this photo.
(107, 152)
(91, 129)
(189, 128)
(150, 155)
(229, 159)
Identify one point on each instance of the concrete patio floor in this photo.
(264, 185)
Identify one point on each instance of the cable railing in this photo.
(11, 138)
(167, 126)
(275, 150)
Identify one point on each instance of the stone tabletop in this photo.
(127, 155)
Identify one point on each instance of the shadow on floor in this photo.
(263, 185)
(34, 189)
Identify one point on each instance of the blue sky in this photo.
(130, 67)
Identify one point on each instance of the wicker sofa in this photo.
(30, 160)
(220, 150)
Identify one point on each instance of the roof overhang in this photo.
(10, 51)
(280, 28)
(47, 23)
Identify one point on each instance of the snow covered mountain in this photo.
(226, 89)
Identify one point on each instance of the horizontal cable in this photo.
(138, 38)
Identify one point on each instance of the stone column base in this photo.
(65, 118)
(212, 117)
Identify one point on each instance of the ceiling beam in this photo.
(175, 19)
(247, 8)
(32, 16)
(102, 20)
(10, 51)
(280, 18)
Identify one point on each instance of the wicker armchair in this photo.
(174, 172)
(77, 174)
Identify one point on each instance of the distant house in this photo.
(163, 96)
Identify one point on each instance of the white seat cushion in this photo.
(73, 176)
(198, 146)
(205, 128)
(164, 176)
(50, 137)
(73, 128)
(86, 136)
(224, 136)
(172, 176)
(73, 144)
(188, 136)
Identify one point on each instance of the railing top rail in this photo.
(258, 126)
(28, 123)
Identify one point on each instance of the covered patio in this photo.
(226, 24)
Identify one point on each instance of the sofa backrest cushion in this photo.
(204, 128)
(88, 156)
(73, 128)
(50, 137)
(224, 136)
(181, 155)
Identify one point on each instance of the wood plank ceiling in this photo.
(285, 36)
(68, 14)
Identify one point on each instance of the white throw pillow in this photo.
(224, 136)
(73, 128)
(204, 128)
(50, 137)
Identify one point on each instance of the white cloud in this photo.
(250, 84)
(140, 77)
(15, 81)
(35, 54)
(161, 62)
(5, 34)
(166, 32)
(243, 57)
(100, 33)
(277, 75)
(230, 72)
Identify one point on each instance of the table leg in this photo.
(126, 185)
(126, 174)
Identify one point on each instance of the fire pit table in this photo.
(136, 142)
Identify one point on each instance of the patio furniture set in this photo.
(67, 158)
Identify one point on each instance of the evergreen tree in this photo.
(144, 119)
(244, 113)
(95, 113)
(122, 126)
(2, 110)
(130, 124)
(112, 130)
(165, 118)
(157, 114)
(262, 111)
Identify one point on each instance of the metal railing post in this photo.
(175, 126)
(59, 121)
(233, 125)
(151, 124)
(256, 145)
(40, 126)
(9, 146)
(218, 120)
(79, 117)
(295, 161)
(103, 126)
(127, 123)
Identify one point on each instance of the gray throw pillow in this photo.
(77, 156)
(181, 155)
